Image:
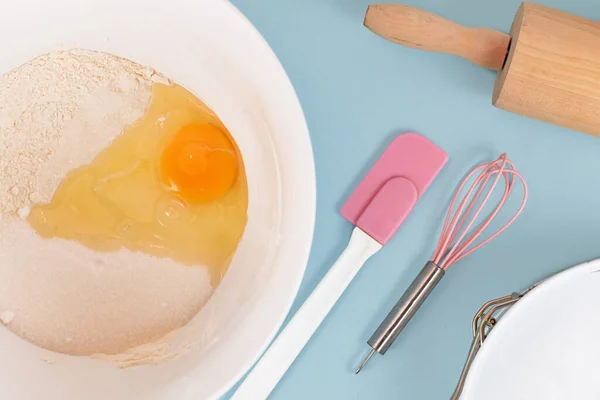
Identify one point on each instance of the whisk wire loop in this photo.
(459, 231)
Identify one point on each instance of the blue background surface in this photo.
(358, 91)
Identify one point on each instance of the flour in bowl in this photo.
(57, 112)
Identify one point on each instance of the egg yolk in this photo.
(199, 163)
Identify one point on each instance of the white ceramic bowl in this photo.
(207, 46)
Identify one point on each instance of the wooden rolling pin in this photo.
(548, 65)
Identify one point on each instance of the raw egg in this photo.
(200, 163)
(171, 185)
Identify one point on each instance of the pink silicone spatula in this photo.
(378, 206)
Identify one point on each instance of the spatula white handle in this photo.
(284, 350)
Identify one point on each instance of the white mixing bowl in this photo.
(207, 46)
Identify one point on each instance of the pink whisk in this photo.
(457, 240)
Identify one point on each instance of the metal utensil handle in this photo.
(483, 322)
(406, 307)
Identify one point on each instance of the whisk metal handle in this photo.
(406, 307)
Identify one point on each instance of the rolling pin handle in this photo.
(423, 30)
